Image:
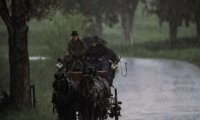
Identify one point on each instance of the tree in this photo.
(104, 11)
(193, 11)
(94, 10)
(18, 50)
(127, 12)
(171, 11)
(16, 19)
(112, 11)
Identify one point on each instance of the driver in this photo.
(77, 51)
(76, 47)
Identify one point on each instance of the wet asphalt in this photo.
(158, 90)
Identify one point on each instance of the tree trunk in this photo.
(18, 52)
(98, 26)
(19, 66)
(95, 27)
(18, 56)
(198, 28)
(127, 18)
(173, 28)
(132, 13)
(126, 28)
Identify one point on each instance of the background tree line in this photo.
(175, 13)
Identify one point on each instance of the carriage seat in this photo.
(103, 74)
(77, 75)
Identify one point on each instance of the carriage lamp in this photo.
(59, 65)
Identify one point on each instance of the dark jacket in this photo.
(76, 48)
(111, 55)
(96, 52)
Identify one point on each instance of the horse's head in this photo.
(62, 83)
(77, 65)
(87, 82)
(61, 86)
(88, 74)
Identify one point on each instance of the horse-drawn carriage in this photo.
(84, 93)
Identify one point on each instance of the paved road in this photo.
(159, 90)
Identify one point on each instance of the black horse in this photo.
(95, 93)
(64, 96)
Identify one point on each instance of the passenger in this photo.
(113, 63)
(101, 57)
(96, 53)
(110, 59)
(112, 56)
(88, 41)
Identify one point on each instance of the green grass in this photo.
(42, 77)
(188, 54)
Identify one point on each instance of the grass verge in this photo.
(183, 51)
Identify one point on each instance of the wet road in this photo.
(159, 90)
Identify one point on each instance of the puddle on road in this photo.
(38, 58)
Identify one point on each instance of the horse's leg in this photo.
(98, 112)
(92, 115)
(63, 115)
(88, 112)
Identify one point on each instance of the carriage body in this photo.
(73, 101)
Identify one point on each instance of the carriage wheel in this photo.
(78, 116)
(117, 107)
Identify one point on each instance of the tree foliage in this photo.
(193, 12)
(97, 12)
(168, 10)
(108, 12)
